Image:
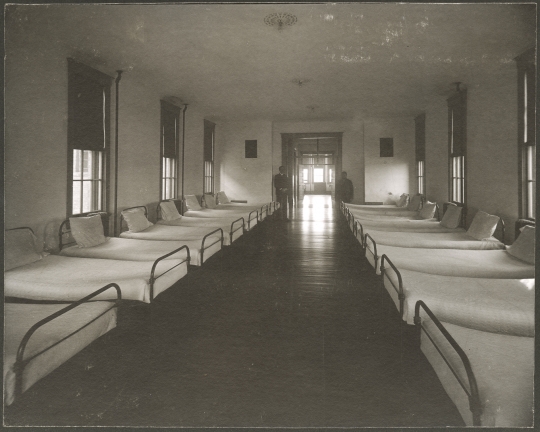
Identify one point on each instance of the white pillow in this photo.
(169, 212)
(403, 200)
(523, 247)
(415, 203)
(222, 198)
(192, 203)
(136, 220)
(209, 201)
(20, 248)
(87, 231)
(452, 216)
(483, 225)
(428, 210)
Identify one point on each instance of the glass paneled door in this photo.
(316, 174)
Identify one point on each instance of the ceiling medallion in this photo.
(280, 19)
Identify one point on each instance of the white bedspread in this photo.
(424, 225)
(389, 212)
(127, 249)
(170, 233)
(496, 305)
(18, 319)
(503, 366)
(211, 224)
(494, 264)
(69, 279)
(211, 213)
(455, 240)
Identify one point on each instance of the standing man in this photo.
(344, 189)
(283, 190)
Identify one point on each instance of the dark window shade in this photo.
(170, 115)
(457, 123)
(387, 147)
(88, 90)
(209, 129)
(420, 137)
(251, 148)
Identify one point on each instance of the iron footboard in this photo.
(399, 288)
(375, 256)
(472, 392)
(153, 278)
(204, 240)
(251, 218)
(232, 230)
(21, 362)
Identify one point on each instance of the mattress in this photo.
(385, 217)
(171, 233)
(211, 223)
(493, 264)
(389, 213)
(424, 225)
(127, 249)
(456, 240)
(503, 306)
(70, 332)
(503, 366)
(62, 278)
(211, 213)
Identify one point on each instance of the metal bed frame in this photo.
(122, 220)
(231, 231)
(21, 362)
(472, 389)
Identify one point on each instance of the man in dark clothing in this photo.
(283, 190)
(344, 189)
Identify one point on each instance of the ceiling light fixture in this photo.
(280, 19)
(300, 81)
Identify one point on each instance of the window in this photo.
(457, 142)
(209, 138)
(330, 175)
(318, 175)
(88, 138)
(170, 120)
(527, 134)
(305, 175)
(420, 144)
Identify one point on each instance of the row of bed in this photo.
(55, 305)
(470, 295)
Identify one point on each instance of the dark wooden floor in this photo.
(289, 327)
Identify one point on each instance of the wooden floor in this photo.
(288, 327)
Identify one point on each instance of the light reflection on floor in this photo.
(316, 209)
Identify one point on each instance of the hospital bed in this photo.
(127, 249)
(40, 337)
(487, 374)
(195, 210)
(167, 214)
(210, 240)
(61, 278)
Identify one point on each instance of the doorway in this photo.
(312, 160)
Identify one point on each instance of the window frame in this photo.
(457, 147)
(208, 157)
(100, 197)
(172, 180)
(420, 151)
(526, 101)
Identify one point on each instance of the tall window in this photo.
(420, 144)
(527, 133)
(305, 174)
(457, 145)
(88, 138)
(209, 138)
(170, 120)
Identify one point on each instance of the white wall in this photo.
(492, 177)
(352, 147)
(238, 176)
(384, 175)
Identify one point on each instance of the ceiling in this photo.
(383, 59)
